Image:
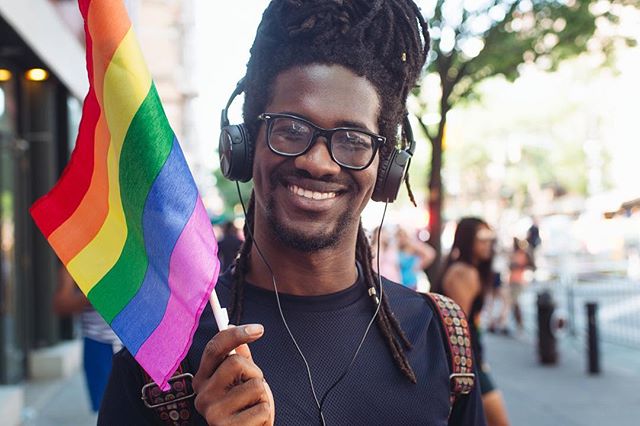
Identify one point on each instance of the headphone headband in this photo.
(224, 116)
(408, 133)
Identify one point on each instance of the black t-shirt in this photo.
(328, 329)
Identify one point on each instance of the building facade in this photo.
(42, 84)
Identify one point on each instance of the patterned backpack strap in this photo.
(458, 344)
(174, 407)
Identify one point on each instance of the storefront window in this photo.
(12, 354)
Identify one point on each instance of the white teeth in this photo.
(314, 195)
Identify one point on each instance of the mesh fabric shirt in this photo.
(328, 329)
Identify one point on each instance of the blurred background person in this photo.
(468, 278)
(388, 250)
(99, 341)
(497, 301)
(228, 245)
(413, 257)
(520, 261)
(533, 240)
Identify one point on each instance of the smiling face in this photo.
(310, 202)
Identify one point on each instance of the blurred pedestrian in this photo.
(413, 257)
(99, 341)
(498, 298)
(388, 250)
(468, 278)
(228, 245)
(520, 262)
(533, 240)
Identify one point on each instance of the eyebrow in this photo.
(342, 123)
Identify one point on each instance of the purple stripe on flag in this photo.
(169, 213)
(192, 274)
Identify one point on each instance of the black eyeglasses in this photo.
(292, 136)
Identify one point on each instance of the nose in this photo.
(317, 161)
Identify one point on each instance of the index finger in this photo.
(224, 342)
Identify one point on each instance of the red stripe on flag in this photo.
(53, 209)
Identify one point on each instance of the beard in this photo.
(301, 241)
(298, 239)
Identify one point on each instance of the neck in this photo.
(303, 274)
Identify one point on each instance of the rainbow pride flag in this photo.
(126, 218)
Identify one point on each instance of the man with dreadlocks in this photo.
(325, 93)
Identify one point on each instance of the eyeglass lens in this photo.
(349, 147)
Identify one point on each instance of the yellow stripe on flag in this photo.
(126, 85)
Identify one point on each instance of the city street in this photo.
(535, 395)
(563, 394)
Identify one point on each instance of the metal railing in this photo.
(618, 313)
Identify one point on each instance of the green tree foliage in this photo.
(229, 194)
(473, 40)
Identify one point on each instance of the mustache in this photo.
(278, 176)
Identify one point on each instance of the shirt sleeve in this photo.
(121, 404)
(467, 410)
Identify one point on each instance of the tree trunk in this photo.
(434, 205)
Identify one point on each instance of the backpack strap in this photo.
(174, 407)
(458, 344)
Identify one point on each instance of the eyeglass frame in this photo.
(327, 134)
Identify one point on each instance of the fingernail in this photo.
(254, 330)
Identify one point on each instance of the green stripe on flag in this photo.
(144, 152)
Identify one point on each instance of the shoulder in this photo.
(402, 298)
(406, 302)
(462, 271)
(413, 309)
(418, 317)
(460, 274)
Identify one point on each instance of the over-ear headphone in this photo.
(235, 146)
(393, 169)
(236, 155)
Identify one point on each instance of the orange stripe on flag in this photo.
(85, 222)
(108, 26)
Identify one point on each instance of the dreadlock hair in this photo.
(384, 41)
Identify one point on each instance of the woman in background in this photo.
(467, 279)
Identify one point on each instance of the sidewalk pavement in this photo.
(563, 394)
(536, 395)
(62, 402)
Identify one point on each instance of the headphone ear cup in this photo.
(383, 171)
(236, 153)
(391, 173)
